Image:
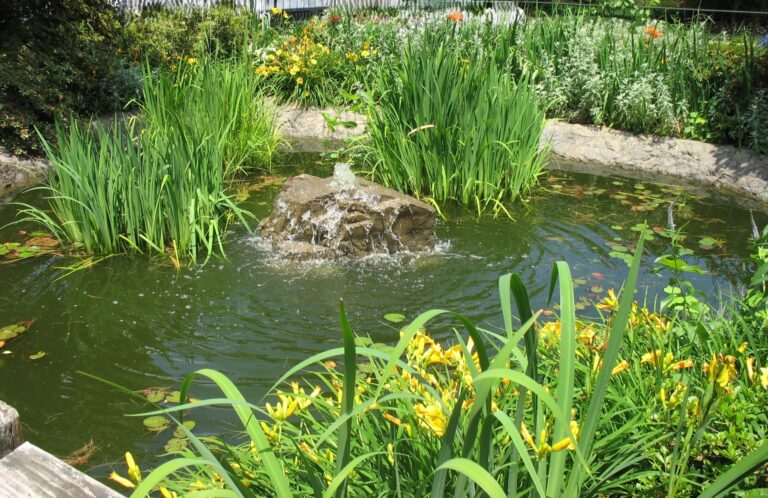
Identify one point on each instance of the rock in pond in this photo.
(344, 216)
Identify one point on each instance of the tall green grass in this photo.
(159, 183)
(502, 413)
(452, 125)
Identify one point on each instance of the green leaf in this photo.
(477, 474)
(37, 356)
(176, 444)
(737, 472)
(394, 317)
(156, 423)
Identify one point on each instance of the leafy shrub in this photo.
(54, 56)
(165, 36)
(310, 66)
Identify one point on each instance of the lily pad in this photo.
(37, 356)
(394, 317)
(176, 444)
(173, 397)
(189, 424)
(155, 395)
(156, 423)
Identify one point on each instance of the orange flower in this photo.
(456, 16)
(653, 32)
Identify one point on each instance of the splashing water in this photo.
(343, 178)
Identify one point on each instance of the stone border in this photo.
(738, 172)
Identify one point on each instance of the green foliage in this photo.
(453, 126)
(633, 404)
(160, 185)
(53, 58)
(165, 36)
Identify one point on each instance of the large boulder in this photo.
(318, 218)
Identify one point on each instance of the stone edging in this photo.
(689, 162)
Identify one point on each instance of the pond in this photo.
(142, 324)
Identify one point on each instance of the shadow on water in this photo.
(142, 324)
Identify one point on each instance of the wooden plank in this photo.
(31, 472)
(10, 429)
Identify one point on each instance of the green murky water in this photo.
(142, 324)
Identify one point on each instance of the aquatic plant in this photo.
(453, 126)
(160, 184)
(559, 408)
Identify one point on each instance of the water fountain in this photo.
(346, 216)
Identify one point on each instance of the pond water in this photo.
(142, 324)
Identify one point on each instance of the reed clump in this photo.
(160, 183)
(450, 124)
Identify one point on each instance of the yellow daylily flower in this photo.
(168, 494)
(121, 480)
(133, 470)
(764, 377)
(623, 365)
(431, 417)
(743, 347)
(750, 369)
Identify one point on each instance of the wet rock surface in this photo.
(315, 218)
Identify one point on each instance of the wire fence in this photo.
(262, 6)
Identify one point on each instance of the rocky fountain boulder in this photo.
(345, 216)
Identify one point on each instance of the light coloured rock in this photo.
(312, 219)
(684, 161)
(16, 172)
(308, 130)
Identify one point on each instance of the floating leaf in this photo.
(189, 424)
(617, 227)
(154, 395)
(394, 317)
(37, 355)
(156, 423)
(176, 444)
(173, 397)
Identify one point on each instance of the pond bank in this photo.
(688, 162)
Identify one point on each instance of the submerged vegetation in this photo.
(634, 403)
(160, 183)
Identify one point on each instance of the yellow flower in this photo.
(609, 303)
(681, 364)
(299, 81)
(365, 53)
(168, 494)
(392, 418)
(133, 470)
(750, 369)
(313, 62)
(271, 433)
(121, 480)
(276, 11)
(390, 453)
(283, 408)
(623, 365)
(192, 60)
(550, 333)
(352, 57)
(567, 442)
(743, 347)
(294, 69)
(431, 417)
(262, 70)
(764, 377)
